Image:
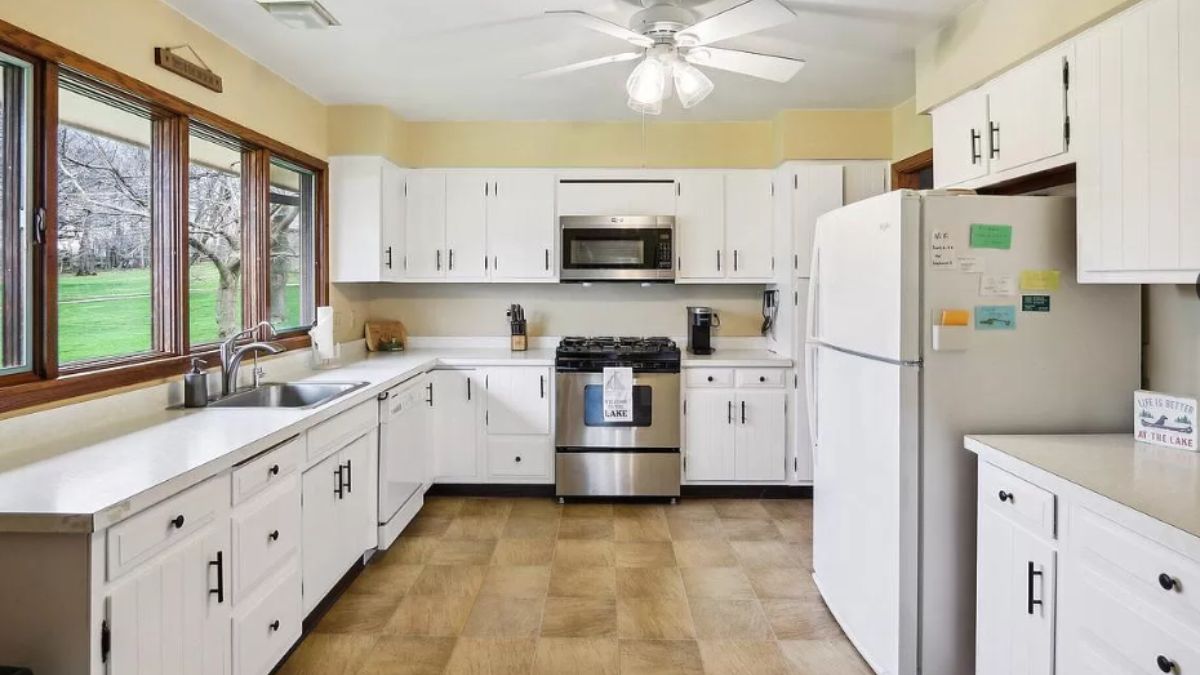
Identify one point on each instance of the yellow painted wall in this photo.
(833, 134)
(367, 130)
(989, 36)
(911, 132)
(122, 34)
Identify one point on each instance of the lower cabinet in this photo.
(454, 432)
(518, 445)
(735, 424)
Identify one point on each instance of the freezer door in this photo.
(865, 502)
(865, 292)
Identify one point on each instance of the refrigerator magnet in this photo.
(1035, 303)
(995, 317)
(991, 236)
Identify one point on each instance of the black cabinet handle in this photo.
(389, 257)
(718, 261)
(468, 388)
(729, 412)
(547, 260)
(976, 155)
(1164, 664)
(735, 262)
(430, 399)
(1029, 597)
(743, 412)
(710, 378)
(1006, 496)
(542, 386)
(994, 139)
(176, 522)
(338, 489)
(1168, 582)
(219, 563)
(274, 470)
(450, 254)
(349, 477)
(437, 263)
(518, 459)
(274, 625)
(273, 535)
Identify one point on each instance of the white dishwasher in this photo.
(404, 413)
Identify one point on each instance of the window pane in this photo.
(104, 275)
(214, 240)
(293, 267)
(15, 214)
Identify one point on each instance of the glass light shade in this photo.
(646, 108)
(691, 84)
(648, 81)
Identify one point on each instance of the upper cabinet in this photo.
(1138, 146)
(521, 227)
(723, 227)
(749, 205)
(616, 197)
(425, 225)
(366, 210)
(1019, 120)
(700, 226)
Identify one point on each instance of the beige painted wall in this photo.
(911, 132)
(1172, 361)
(990, 36)
(564, 309)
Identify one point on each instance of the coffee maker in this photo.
(701, 322)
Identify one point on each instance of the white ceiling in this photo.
(462, 59)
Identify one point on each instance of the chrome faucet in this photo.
(232, 355)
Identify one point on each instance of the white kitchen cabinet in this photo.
(864, 179)
(700, 226)
(616, 197)
(735, 424)
(960, 151)
(760, 436)
(749, 209)
(1137, 82)
(709, 433)
(467, 198)
(1027, 111)
(518, 400)
(521, 227)
(454, 425)
(171, 615)
(817, 189)
(425, 225)
(366, 213)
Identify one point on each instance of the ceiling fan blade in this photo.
(765, 66)
(749, 17)
(601, 26)
(590, 63)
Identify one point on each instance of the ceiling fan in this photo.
(674, 40)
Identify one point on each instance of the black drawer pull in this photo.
(1164, 664)
(1006, 496)
(1168, 582)
(274, 625)
(220, 565)
(518, 460)
(177, 521)
(762, 378)
(274, 470)
(1031, 602)
(710, 378)
(274, 535)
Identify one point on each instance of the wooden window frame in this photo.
(47, 382)
(906, 173)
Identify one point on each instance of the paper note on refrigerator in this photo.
(970, 264)
(995, 317)
(997, 285)
(991, 236)
(1040, 280)
(618, 394)
(941, 251)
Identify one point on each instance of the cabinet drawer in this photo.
(1019, 500)
(266, 532)
(268, 468)
(1167, 580)
(336, 432)
(760, 377)
(265, 629)
(709, 377)
(133, 540)
(528, 457)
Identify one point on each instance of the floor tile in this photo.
(401, 655)
(660, 657)
(475, 527)
(484, 506)
(685, 529)
(644, 554)
(741, 508)
(443, 507)
(639, 529)
(794, 531)
(704, 553)
(717, 582)
(523, 552)
(738, 657)
(410, 550)
(326, 654)
(747, 529)
(726, 619)
(823, 657)
(462, 552)
(500, 617)
(446, 580)
(654, 618)
(430, 615)
(516, 582)
(385, 578)
(530, 527)
(540, 508)
(693, 509)
(645, 582)
(587, 510)
(787, 509)
(359, 613)
(586, 528)
(583, 582)
(576, 656)
(781, 583)
(583, 553)
(427, 526)
(801, 619)
(756, 554)
(580, 617)
(640, 511)
(474, 656)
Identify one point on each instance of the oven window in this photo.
(593, 407)
(608, 252)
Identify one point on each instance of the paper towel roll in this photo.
(322, 334)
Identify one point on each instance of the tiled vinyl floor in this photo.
(498, 586)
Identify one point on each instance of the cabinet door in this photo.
(709, 435)
(392, 213)
(425, 225)
(518, 400)
(521, 226)
(700, 226)
(863, 180)
(1034, 578)
(356, 512)
(816, 190)
(761, 435)
(960, 139)
(749, 207)
(1027, 111)
(466, 225)
(355, 219)
(454, 428)
(320, 489)
(165, 620)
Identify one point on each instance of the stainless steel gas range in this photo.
(635, 456)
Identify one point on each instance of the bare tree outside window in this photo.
(214, 240)
(291, 282)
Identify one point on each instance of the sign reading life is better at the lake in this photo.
(1162, 419)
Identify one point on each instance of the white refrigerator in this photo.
(894, 491)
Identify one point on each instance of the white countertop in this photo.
(91, 480)
(1163, 483)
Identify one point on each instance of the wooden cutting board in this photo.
(380, 332)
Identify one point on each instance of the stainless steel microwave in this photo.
(617, 248)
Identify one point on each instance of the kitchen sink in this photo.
(287, 395)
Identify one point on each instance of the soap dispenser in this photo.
(195, 386)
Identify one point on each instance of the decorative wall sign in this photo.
(201, 74)
(1162, 419)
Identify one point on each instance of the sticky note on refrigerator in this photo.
(954, 317)
(1040, 280)
(996, 317)
(991, 236)
(997, 285)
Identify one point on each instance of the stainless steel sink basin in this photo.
(287, 395)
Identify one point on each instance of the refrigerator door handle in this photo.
(814, 284)
(810, 395)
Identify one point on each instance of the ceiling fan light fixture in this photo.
(308, 14)
(692, 85)
(645, 108)
(647, 83)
